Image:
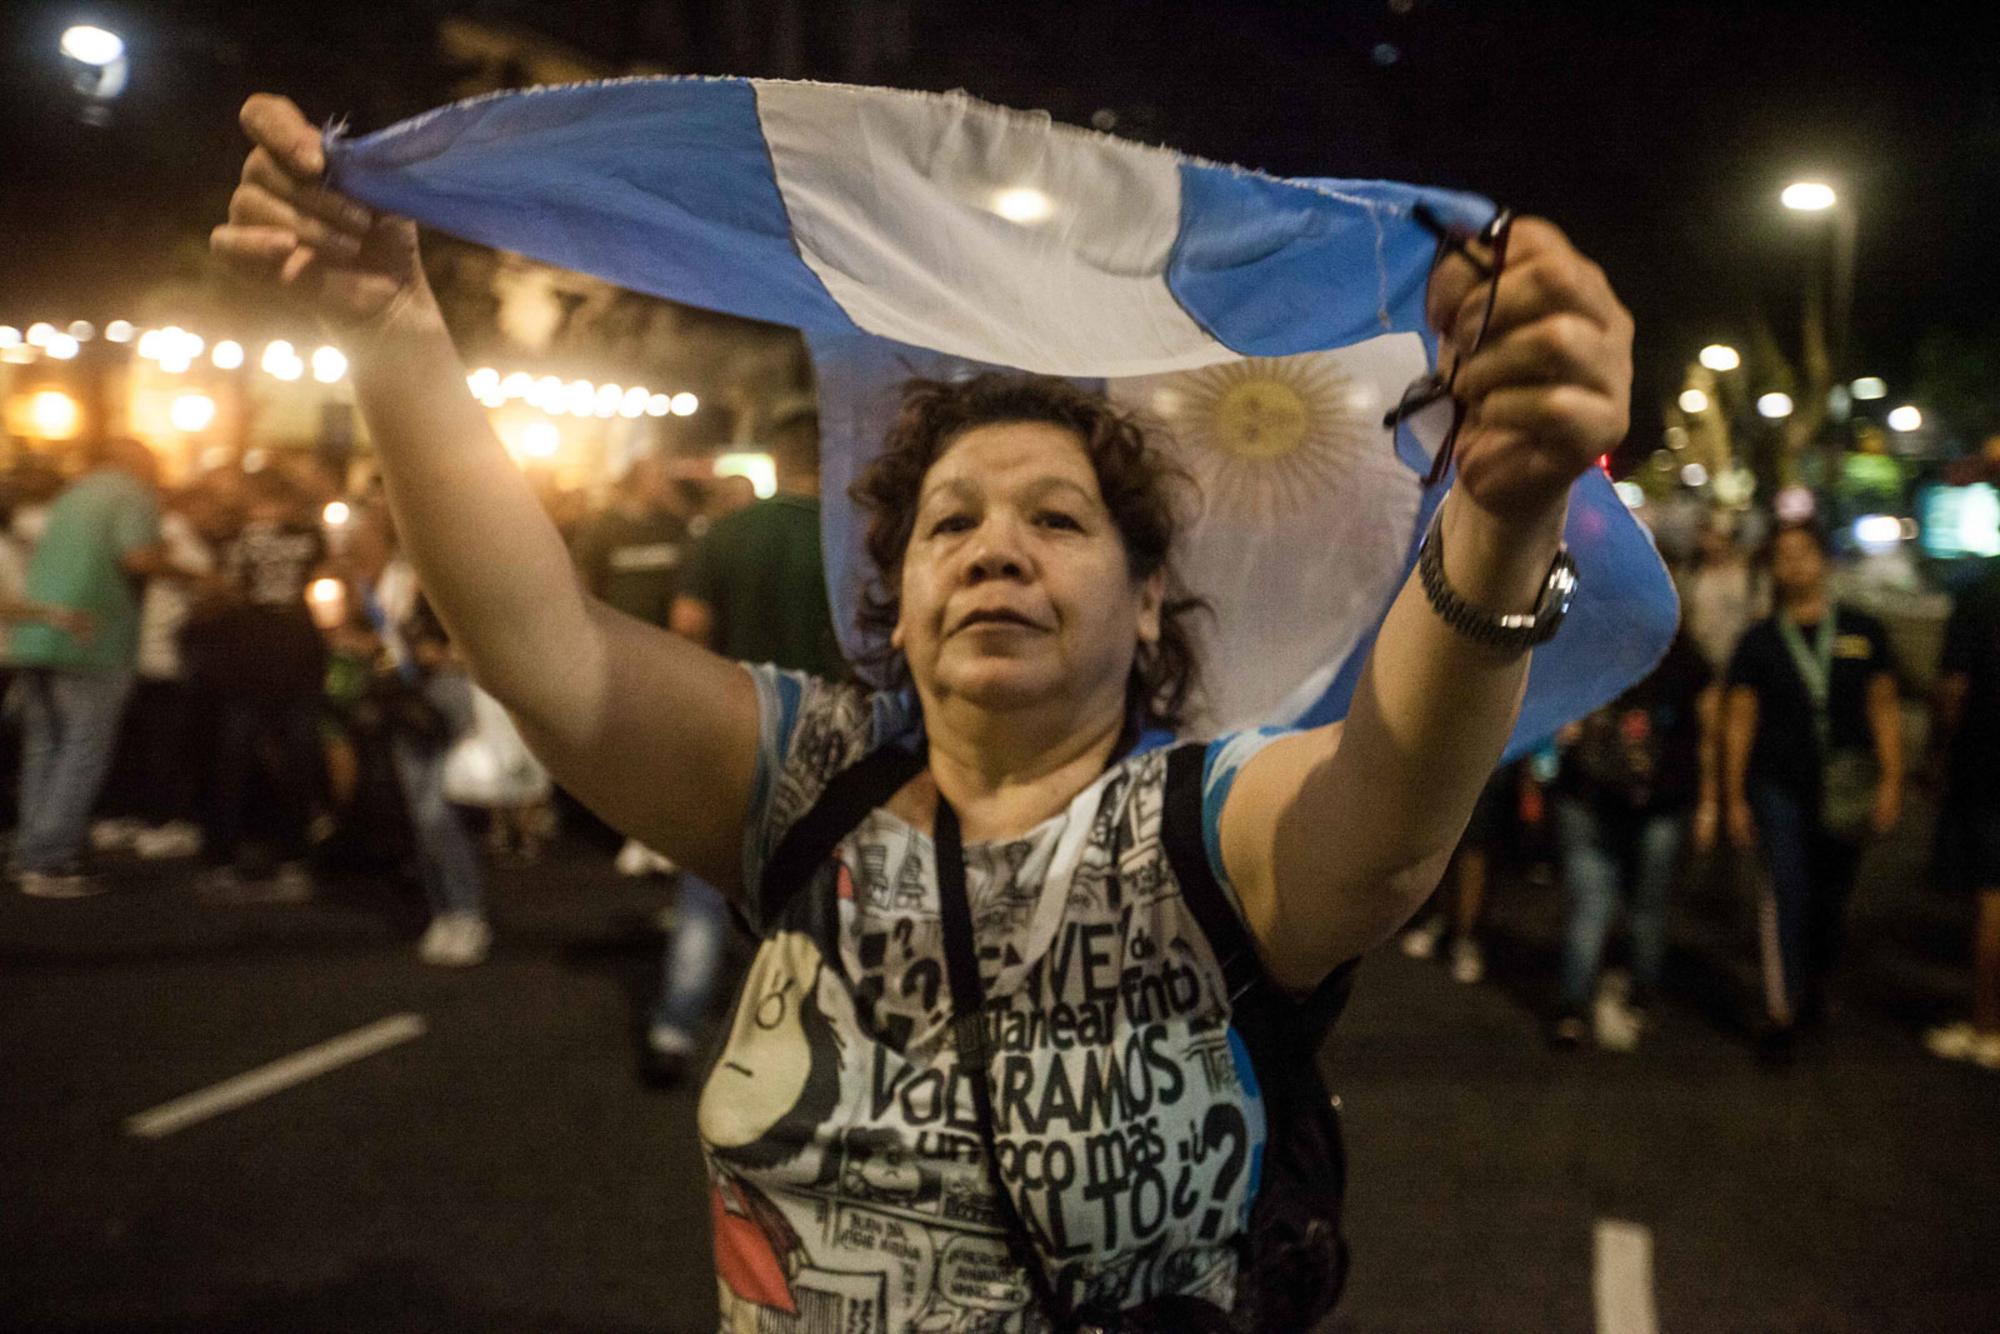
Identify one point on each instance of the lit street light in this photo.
(53, 415)
(97, 66)
(88, 44)
(192, 412)
(328, 364)
(1774, 407)
(1869, 387)
(1720, 357)
(1693, 401)
(1815, 198)
(1905, 418)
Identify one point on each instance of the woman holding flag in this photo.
(1090, 1143)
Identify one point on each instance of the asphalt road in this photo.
(503, 1168)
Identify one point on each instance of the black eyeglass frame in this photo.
(1433, 387)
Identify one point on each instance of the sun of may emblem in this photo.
(1267, 436)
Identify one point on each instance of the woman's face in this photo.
(1015, 590)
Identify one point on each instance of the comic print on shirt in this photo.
(848, 1191)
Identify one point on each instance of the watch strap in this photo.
(1513, 630)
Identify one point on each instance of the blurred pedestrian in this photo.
(631, 552)
(754, 591)
(755, 586)
(630, 555)
(1460, 901)
(725, 495)
(164, 752)
(264, 662)
(1968, 716)
(1725, 592)
(1632, 776)
(490, 768)
(101, 543)
(1813, 766)
(427, 698)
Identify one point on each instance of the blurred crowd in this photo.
(1772, 745)
(243, 671)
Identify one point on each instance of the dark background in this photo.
(1658, 135)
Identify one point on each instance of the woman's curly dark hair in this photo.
(1139, 487)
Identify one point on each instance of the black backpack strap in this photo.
(844, 803)
(1296, 1259)
(1187, 853)
(1216, 913)
(968, 1031)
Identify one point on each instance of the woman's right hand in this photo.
(358, 270)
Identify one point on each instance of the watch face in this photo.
(1562, 585)
(1556, 598)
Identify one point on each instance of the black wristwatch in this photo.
(1518, 631)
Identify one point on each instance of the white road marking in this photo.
(1623, 1279)
(275, 1077)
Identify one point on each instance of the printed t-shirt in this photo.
(93, 526)
(163, 611)
(1786, 752)
(761, 574)
(272, 561)
(848, 1187)
(267, 646)
(633, 563)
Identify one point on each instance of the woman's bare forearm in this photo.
(490, 560)
(1433, 709)
(1368, 811)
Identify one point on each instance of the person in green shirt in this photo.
(755, 590)
(102, 541)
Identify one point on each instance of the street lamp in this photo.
(1774, 407)
(1905, 418)
(88, 44)
(97, 65)
(1817, 197)
(1720, 357)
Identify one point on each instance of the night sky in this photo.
(1658, 135)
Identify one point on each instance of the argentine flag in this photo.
(1268, 325)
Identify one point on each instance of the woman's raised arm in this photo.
(1333, 837)
(655, 734)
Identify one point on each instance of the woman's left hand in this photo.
(1549, 390)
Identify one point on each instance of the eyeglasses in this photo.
(1434, 387)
